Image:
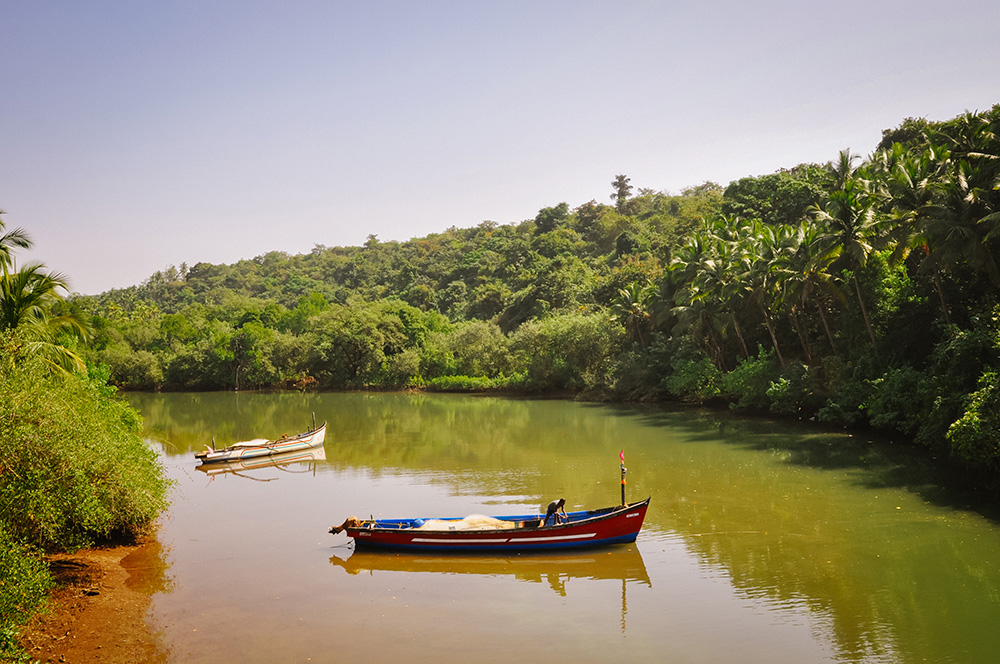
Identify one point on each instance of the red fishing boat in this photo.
(584, 529)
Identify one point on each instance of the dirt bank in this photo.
(98, 611)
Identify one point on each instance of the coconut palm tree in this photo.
(849, 217)
(27, 296)
(622, 190)
(720, 276)
(631, 309)
(842, 169)
(911, 187)
(698, 305)
(764, 256)
(963, 223)
(16, 238)
(809, 277)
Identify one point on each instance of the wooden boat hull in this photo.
(284, 445)
(586, 529)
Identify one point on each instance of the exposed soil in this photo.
(98, 611)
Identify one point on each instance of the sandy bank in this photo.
(98, 611)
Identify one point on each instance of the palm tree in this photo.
(695, 306)
(15, 238)
(843, 169)
(808, 274)
(850, 218)
(720, 276)
(763, 257)
(27, 296)
(622, 190)
(631, 309)
(963, 222)
(911, 186)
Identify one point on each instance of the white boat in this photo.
(262, 447)
(256, 463)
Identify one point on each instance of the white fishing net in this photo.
(471, 522)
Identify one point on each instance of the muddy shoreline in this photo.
(97, 612)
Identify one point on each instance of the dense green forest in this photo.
(859, 292)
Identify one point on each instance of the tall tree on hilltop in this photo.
(622, 191)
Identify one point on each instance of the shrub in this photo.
(24, 583)
(75, 469)
(975, 437)
(694, 380)
(460, 384)
(747, 385)
(566, 351)
(797, 391)
(896, 401)
(850, 392)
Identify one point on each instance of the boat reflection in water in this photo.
(621, 563)
(278, 461)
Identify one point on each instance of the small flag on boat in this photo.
(622, 456)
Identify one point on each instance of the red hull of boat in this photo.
(586, 529)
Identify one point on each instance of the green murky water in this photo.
(764, 542)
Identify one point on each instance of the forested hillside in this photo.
(859, 292)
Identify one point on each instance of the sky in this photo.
(139, 135)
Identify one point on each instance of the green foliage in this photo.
(138, 369)
(850, 391)
(870, 283)
(975, 437)
(896, 400)
(461, 384)
(694, 377)
(29, 302)
(73, 468)
(551, 218)
(952, 374)
(780, 198)
(797, 391)
(24, 585)
(568, 351)
(747, 385)
(73, 472)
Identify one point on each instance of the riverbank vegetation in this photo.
(74, 470)
(860, 292)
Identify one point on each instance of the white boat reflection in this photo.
(275, 461)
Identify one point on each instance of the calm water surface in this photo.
(763, 543)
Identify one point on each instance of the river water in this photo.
(764, 542)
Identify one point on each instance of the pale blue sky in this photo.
(136, 135)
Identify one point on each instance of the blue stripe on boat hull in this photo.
(486, 548)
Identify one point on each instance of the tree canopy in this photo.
(820, 290)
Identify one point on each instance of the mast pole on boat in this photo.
(624, 470)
